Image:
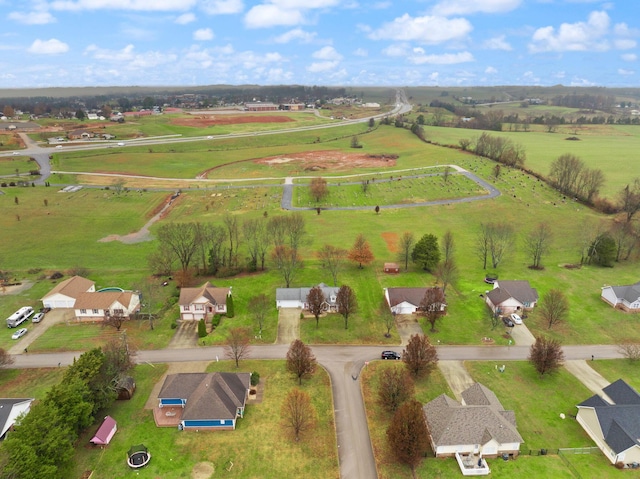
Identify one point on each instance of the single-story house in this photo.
(105, 432)
(511, 297)
(406, 300)
(391, 268)
(479, 425)
(96, 305)
(297, 297)
(626, 298)
(261, 106)
(206, 400)
(613, 422)
(10, 410)
(65, 293)
(203, 302)
(79, 135)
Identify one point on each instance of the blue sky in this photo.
(47, 43)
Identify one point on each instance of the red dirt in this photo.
(392, 241)
(329, 160)
(212, 120)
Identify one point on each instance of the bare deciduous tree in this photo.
(255, 237)
(629, 200)
(316, 302)
(333, 260)
(626, 238)
(182, 239)
(537, 243)
(431, 306)
(300, 360)
(629, 349)
(395, 387)
(298, 414)
(420, 356)
(259, 307)
(501, 239)
(546, 355)
(387, 317)
(346, 303)
(115, 319)
(238, 345)
(287, 261)
(405, 247)
(448, 246)
(553, 307)
(447, 273)
(408, 434)
(318, 189)
(162, 260)
(233, 235)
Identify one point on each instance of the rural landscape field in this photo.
(396, 169)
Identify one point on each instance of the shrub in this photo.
(202, 328)
(255, 378)
(174, 324)
(215, 321)
(56, 275)
(230, 309)
(301, 315)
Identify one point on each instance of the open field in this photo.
(518, 389)
(259, 447)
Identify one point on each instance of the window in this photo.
(83, 311)
(199, 307)
(119, 312)
(185, 307)
(95, 311)
(222, 421)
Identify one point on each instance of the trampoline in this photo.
(138, 456)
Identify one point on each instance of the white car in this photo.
(516, 319)
(120, 143)
(19, 333)
(15, 153)
(209, 138)
(58, 146)
(37, 318)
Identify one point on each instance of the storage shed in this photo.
(105, 432)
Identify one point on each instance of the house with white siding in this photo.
(297, 297)
(65, 293)
(625, 298)
(508, 297)
(203, 302)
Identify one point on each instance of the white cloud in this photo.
(381, 5)
(295, 34)
(32, 18)
(263, 16)
(278, 75)
(465, 7)
(48, 47)
(203, 34)
(625, 44)
(361, 52)
(578, 36)
(136, 5)
(490, 71)
(185, 18)
(622, 71)
(221, 7)
(318, 67)
(128, 58)
(396, 50)
(629, 57)
(623, 30)
(327, 53)
(419, 57)
(425, 29)
(497, 43)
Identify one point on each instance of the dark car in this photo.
(507, 322)
(390, 355)
(45, 310)
(490, 279)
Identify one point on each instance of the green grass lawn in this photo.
(9, 165)
(32, 383)
(259, 447)
(614, 369)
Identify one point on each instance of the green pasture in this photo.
(611, 148)
(258, 447)
(389, 192)
(518, 389)
(33, 383)
(10, 164)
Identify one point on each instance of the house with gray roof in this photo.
(10, 410)
(205, 400)
(479, 425)
(508, 297)
(626, 298)
(612, 420)
(203, 302)
(297, 297)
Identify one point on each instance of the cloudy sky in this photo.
(47, 43)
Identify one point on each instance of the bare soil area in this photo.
(202, 470)
(392, 241)
(212, 120)
(329, 160)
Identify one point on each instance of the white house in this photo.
(95, 306)
(511, 297)
(477, 426)
(614, 423)
(297, 297)
(406, 300)
(10, 410)
(65, 293)
(203, 302)
(626, 298)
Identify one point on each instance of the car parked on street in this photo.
(37, 317)
(390, 355)
(515, 318)
(19, 333)
(507, 322)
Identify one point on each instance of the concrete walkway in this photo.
(588, 376)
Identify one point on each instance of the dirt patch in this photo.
(392, 241)
(329, 160)
(202, 470)
(211, 120)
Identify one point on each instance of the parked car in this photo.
(490, 279)
(37, 317)
(58, 146)
(19, 333)
(45, 310)
(515, 318)
(507, 322)
(390, 355)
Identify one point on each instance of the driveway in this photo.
(457, 376)
(522, 336)
(36, 330)
(288, 325)
(407, 325)
(186, 336)
(592, 380)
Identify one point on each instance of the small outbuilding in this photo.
(125, 387)
(105, 432)
(391, 268)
